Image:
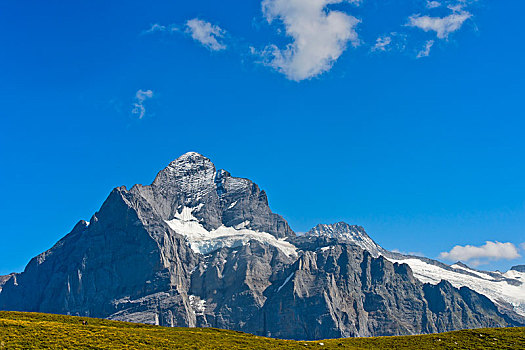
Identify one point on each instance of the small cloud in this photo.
(381, 43)
(522, 245)
(433, 4)
(426, 50)
(393, 41)
(206, 33)
(159, 28)
(477, 255)
(155, 28)
(319, 36)
(138, 105)
(443, 26)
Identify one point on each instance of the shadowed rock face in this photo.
(129, 264)
(519, 268)
(4, 279)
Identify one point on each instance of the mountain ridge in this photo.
(199, 247)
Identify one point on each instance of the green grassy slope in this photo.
(32, 330)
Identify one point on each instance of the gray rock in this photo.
(343, 291)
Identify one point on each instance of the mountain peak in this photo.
(215, 198)
(191, 170)
(190, 156)
(190, 160)
(348, 233)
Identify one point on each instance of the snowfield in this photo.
(495, 286)
(204, 242)
(497, 290)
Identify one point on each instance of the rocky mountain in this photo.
(199, 247)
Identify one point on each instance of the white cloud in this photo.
(522, 245)
(319, 36)
(443, 26)
(138, 105)
(433, 4)
(206, 33)
(475, 254)
(426, 50)
(381, 43)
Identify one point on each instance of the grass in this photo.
(20, 330)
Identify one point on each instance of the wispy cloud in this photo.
(381, 43)
(443, 26)
(433, 4)
(207, 34)
(393, 41)
(426, 50)
(155, 28)
(522, 245)
(319, 36)
(138, 106)
(481, 254)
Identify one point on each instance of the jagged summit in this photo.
(189, 161)
(189, 156)
(345, 232)
(215, 198)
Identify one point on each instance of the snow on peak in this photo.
(190, 160)
(350, 233)
(190, 156)
(500, 288)
(204, 242)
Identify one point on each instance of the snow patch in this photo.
(285, 281)
(520, 276)
(204, 242)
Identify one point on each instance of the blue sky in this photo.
(406, 119)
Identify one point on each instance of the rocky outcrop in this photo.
(343, 291)
(199, 247)
(519, 268)
(4, 279)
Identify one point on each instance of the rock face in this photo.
(219, 199)
(4, 279)
(343, 291)
(199, 247)
(519, 268)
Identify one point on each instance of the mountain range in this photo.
(201, 248)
